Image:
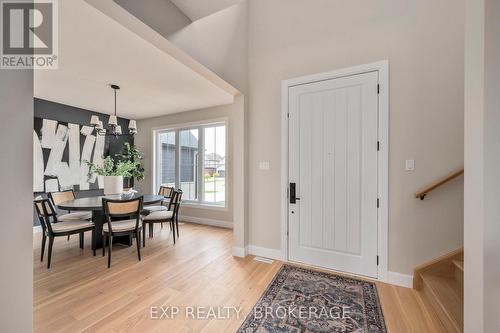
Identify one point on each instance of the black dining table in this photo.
(94, 204)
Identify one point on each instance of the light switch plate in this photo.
(264, 165)
(410, 165)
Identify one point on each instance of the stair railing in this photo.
(422, 193)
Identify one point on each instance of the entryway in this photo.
(333, 173)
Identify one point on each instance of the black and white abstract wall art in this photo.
(62, 141)
(60, 151)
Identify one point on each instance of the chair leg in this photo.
(172, 224)
(44, 239)
(177, 226)
(103, 246)
(138, 241)
(162, 225)
(93, 250)
(110, 245)
(51, 243)
(144, 234)
(151, 230)
(68, 237)
(81, 240)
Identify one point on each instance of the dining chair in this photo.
(160, 216)
(122, 219)
(62, 196)
(52, 229)
(166, 192)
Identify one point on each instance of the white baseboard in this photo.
(398, 279)
(265, 252)
(199, 220)
(240, 252)
(37, 229)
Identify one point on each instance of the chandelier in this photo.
(114, 129)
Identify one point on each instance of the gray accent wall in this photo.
(44, 109)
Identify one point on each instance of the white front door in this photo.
(333, 143)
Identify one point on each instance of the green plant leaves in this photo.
(128, 164)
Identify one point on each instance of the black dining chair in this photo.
(166, 192)
(122, 219)
(51, 229)
(169, 215)
(62, 196)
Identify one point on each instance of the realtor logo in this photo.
(29, 34)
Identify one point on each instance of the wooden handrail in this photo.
(422, 193)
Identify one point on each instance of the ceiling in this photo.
(197, 9)
(96, 50)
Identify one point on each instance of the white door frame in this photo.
(383, 157)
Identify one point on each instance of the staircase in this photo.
(441, 283)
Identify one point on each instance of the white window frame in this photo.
(200, 125)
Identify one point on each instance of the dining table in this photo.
(94, 204)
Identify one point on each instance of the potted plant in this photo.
(113, 173)
(130, 153)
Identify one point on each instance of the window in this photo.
(166, 156)
(193, 159)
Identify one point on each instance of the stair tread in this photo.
(459, 264)
(446, 290)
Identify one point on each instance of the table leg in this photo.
(98, 218)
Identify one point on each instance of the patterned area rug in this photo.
(300, 300)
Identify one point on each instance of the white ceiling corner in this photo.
(197, 9)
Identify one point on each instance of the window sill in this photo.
(199, 205)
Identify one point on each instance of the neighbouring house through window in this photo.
(193, 159)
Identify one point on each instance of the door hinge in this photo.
(378, 203)
(377, 260)
(378, 88)
(378, 145)
(288, 115)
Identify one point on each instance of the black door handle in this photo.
(293, 194)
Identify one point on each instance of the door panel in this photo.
(333, 161)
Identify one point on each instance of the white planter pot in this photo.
(113, 185)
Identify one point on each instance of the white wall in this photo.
(491, 167)
(473, 160)
(16, 177)
(219, 41)
(423, 41)
(482, 162)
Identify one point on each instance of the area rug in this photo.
(300, 300)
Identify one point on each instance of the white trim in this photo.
(203, 205)
(240, 252)
(37, 229)
(382, 67)
(398, 279)
(265, 252)
(211, 222)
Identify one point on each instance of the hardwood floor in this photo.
(80, 294)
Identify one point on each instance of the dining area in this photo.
(111, 220)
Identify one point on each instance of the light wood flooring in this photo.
(80, 294)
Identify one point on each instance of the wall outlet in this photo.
(264, 165)
(410, 165)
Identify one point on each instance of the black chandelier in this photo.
(115, 129)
